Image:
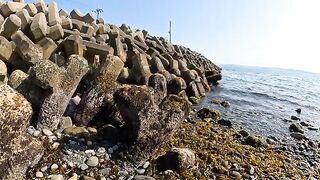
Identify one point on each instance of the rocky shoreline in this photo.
(84, 99)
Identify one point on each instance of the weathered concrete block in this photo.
(93, 49)
(159, 84)
(156, 65)
(53, 14)
(147, 125)
(100, 21)
(16, 147)
(41, 6)
(32, 10)
(3, 72)
(39, 27)
(5, 49)
(63, 14)
(176, 85)
(1, 19)
(47, 75)
(92, 100)
(27, 50)
(10, 26)
(76, 68)
(67, 23)
(201, 89)
(48, 46)
(192, 90)
(21, 82)
(87, 29)
(52, 110)
(77, 24)
(74, 45)
(188, 76)
(141, 70)
(76, 14)
(11, 7)
(58, 59)
(116, 43)
(25, 19)
(56, 32)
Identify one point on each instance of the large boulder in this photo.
(147, 125)
(18, 150)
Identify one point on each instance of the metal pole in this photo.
(170, 32)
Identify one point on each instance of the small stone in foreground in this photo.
(93, 161)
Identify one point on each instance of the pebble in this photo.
(47, 132)
(39, 174)
(105, 171)
(93, 161)
(56, 177)
(146, 165)
(235, 174)
(101, 150)
(88, 178)
(54, 166)
(83, 167)
(55, 145)
(90, 152)
(44, 168)
(89, 143)
(92, 130)
(70, 164)
(73, 177)
(31, 130)
(110, 150)
(140, 171)
(115, 147)
(103, 178)
(140, 177)
(251, 170)
(36, 133)
(52, 138)
(59, 135)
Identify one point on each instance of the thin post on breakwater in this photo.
(170, 31)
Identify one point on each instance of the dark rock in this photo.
(224, 122)
(295, 118)
(225, 104)
(296, 128)
(159, 84)
(253, 141)
(207, 113)
(177, 159)
(298, 136)
(304, 124)
(194, 100)
(176, 85)
(298, 111)
(243, 133)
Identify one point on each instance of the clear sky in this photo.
(274, 33)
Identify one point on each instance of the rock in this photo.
(296, 128)
(298, 111)
(10, 26)
(54, 166)
(159, 84)
(140, 69)
(236, 174)
(47, 132)
(225, 104)
(224, 122)
(65, 122)
(105, 171)
(56, 177)
(93, 161)
(49, 46)
(253, 141)
(207, 113)
(141, 177)
(77, 131)
(298, 136)
(313, 128)
(140, 171)
(304, 124)
(83, 167)
(88, 178)
(194, 100)
(39, 174)
(177, 159)
(295, 118)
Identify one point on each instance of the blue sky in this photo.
(274, 33)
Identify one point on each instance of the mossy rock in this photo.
(209, 113)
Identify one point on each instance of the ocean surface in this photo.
(262, 99)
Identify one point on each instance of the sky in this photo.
(271, 33)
